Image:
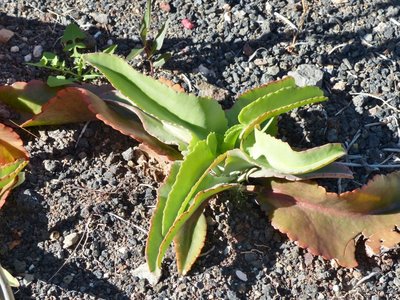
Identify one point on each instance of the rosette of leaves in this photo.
(214, 150)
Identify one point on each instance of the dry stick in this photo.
(207, 252)
(372, 166)
(378, 98)
(74, 251)
(81, 134)
(125, 221)
(27, 131)
(364, 279)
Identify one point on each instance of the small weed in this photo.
(75, 69)
(151, 46)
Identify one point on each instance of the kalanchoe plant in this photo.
(151, 46)
(75, 69)
(214, 150)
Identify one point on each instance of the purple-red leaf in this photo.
(329, 224)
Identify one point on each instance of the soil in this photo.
(89, 184)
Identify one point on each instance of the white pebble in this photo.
(37, 51)
(70, 240)
(336, 288)
(242, 276)
(28, 58)
(14, 49)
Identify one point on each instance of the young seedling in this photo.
(151, 46)
(74, 70)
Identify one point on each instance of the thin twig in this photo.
(207, 252)
(285, 20)
(81, 134)
(378, 98)
(372, 166)
(74, 251)
(364, 279)
(125, 221)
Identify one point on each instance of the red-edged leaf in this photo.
(74, 104)
(189, 241)
(26, 98)
(13, 158)
(329, 224)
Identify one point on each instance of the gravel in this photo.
(103, 189)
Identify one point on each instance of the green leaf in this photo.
(110, 49)
(274, 105)
(134, 52)
(196, 163)
(190, 240)
(12, 281)
(231, 137)
(330, 224)
(281, 157)
(196, 204)
(145, 24)
(159, 40)
(71, 33)
(198, 115)
(161, 60)
(55, 81)
(285, 97)
(155, 236)
(254, 94)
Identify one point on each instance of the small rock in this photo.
(28, 278)
(260, 62)
(247, 50)
(209, 90)
(14, 49)
(128, 154)
(164, 6)
(381, 28)
(339, 86)
(307, 74)
(242, 276)
(204, 70)
(273, 71)
(37, 51)
(70, 240)
(308, 259)
(336, 288)
(187, 24)
(28, 58)
(5, 35)
(339, 1)
(54, 235)
(100, 18)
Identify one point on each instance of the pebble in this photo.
(37, 51)
(14, 49)
(100, 18)
(128, 154)
(70, 240)
(336, 288)
(339, 86)
(242, 276)
(28, 57)
(307, 74)
(5, 35)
